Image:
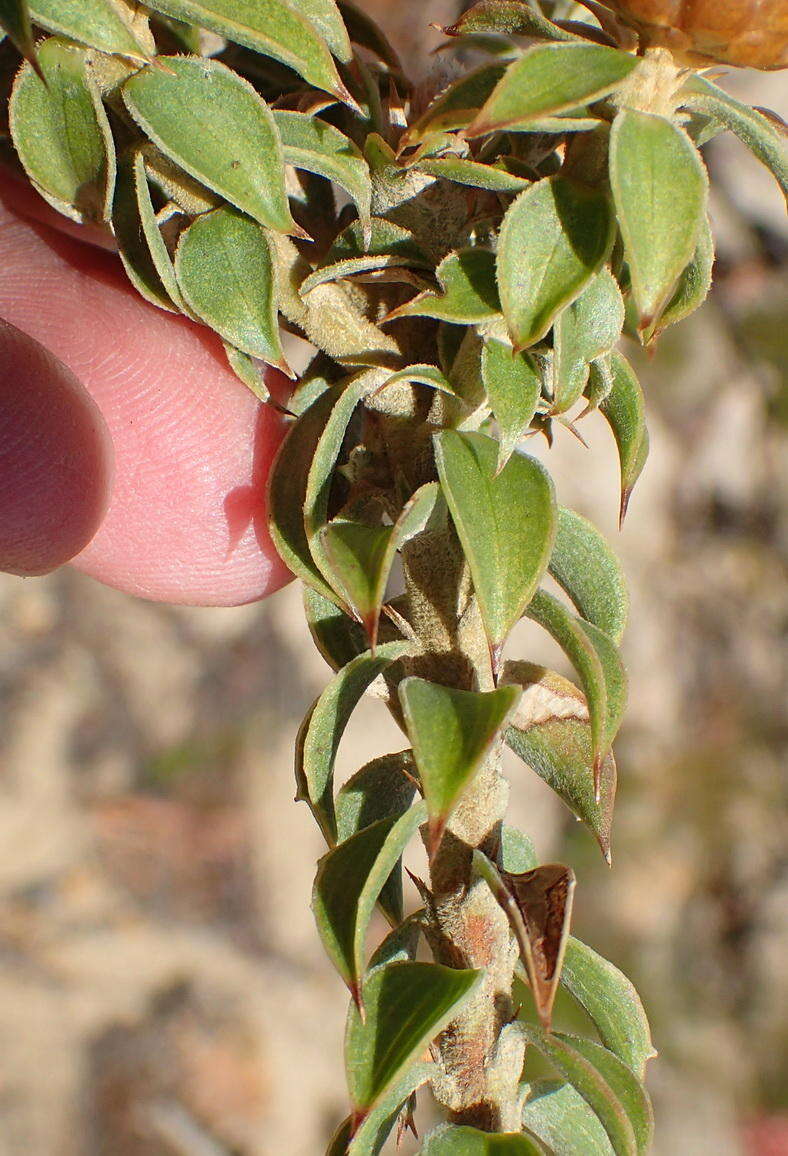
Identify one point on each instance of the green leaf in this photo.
(325, 17)
(562, 1119)
(15, 21)
(450, 1140)
(624, 410)
(660, 188)
(428, 375)
(94, 23)
(549, 79)
(136, 232)
(62, 134)
(506, 18)
(214, 125)
(586, 329)
(365, 32)
(477, 176)
(287, 486)
(451, 731)
(337, 636)
(270, 27)
(514, 387)
(372, 1133)
(383, 788)
(407, 1005)
(612, 1003)
(517, 852)
(348, 884)
(383, 238)
(343, 269)
(226, 275)
(311, 144)
(692, 288)
(588, 570)
(757, 132)
(551, 733)
(469, 295)
(361, 556)
(458, 105)
(625, 1085)
(249, 370)
(554, 238)
(591, 1085)
(401, 943)
(506, 523)
(597, 663)
(320, 732)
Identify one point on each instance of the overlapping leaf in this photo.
(452, 1140)
(586, 329)
(692, 287)
(624, 409)
(588, 570)
(316, 146)
(507, 18)
(140, 243)
(469, 294)
(457, 106)
(513, 385)
(562, 1119)
(94, 23)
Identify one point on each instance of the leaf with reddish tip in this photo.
(554, 238)
(624, 409)
(514, 386)
(213, 124)
(588, 570)
(550, 732)
(505, 521)
(452, 732)
(95, 23)
(226, 275)
(349, 881)
(371, 1134)
(612, 1002)
(659, 186)
(407, 1004)
(586, 329)
(550, 79)
(361, 556)
(468, 292)
(321, 731)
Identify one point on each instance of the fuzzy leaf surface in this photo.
(406, 1004)
(612, 1003)
(553, 239)
(562, 1119)
(322, 729)
(214, 125)
(226, 275)
(659, 186)
(451, 732)
(513, 386)
(583, 564)
(311, 144)
(15, 22)
(62, 134)
(94, 23)
(586, 329)
(624, 409)
(627, 1088)
(451, 1140)
(337, 636)
(551, 733)
(270, 27)
(473, 174)
(692, 287)
(137, 233)
(590, 1084)
(469, 294)
(457, 106)
(506, 18)
(505, 521)
(549, 79)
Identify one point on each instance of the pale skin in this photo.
(127, 446)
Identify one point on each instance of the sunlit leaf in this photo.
(466, 172)
(383, 238)
(588, 570)
(401, 943)
(549, 79)
(505, 521)
(516, 852)
(311, 144)
(562, 1119)
(349, 881)
(554, 238)
(692, 287)
(270, 27)
(451, 732)
(469, 294)
(406, 1005)
(94, 23)
(325, 17)
(513, 385)
(451, 1140)
(428, 375)
(659, 187)
(590, 1084)
(361, 556)
(586, 329)
(354, 265)
(758, 133)
(625, 1085)
(225, 273)
(214, 125)
(612, 1003)
(551, 733)
(506, 18)
(337, 636)
(457, 106)
(62, 134)
(138, 237)
(624, 409)
(321, 731)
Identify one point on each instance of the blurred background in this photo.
(162, 989)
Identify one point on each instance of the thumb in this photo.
(55, 459)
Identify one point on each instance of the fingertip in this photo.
(55, 459)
